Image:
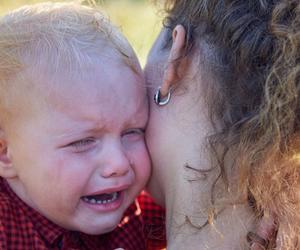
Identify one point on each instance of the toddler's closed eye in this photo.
(135, 131)
(82, 145)
(133, 134)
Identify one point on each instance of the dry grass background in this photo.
(139, 20)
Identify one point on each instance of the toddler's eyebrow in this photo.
(74, 132)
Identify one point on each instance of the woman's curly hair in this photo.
(256, 103)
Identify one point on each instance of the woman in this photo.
(224, 123)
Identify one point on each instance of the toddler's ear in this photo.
(6, 168)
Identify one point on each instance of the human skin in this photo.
(75, 136)
(176, 136)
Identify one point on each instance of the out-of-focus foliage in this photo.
(138, 19)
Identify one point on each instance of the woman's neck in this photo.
(191, 223)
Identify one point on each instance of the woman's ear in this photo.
(176, 63)
(6, 168)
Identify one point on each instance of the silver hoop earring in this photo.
(162, 101)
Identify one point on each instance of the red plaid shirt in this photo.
(21, 227)
(153, 221)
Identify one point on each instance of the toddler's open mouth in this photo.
(101, 198)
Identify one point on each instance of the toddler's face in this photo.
(81, 158)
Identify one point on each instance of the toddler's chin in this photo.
(104, 225)
(98, 230)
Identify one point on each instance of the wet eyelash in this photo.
(139, 130)
(81, 143)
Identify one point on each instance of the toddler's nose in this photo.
(116, 163)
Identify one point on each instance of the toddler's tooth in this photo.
(114, 196)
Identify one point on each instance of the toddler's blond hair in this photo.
(62, 36)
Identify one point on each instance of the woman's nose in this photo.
(116, 163)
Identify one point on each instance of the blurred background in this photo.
(139, 20)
